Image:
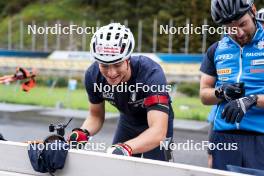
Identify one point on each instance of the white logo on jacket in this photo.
(108, 95)
(260, 45)
(224, 57)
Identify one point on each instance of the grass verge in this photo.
(184, 107)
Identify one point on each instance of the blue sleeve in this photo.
(94, 96)
(208, 66)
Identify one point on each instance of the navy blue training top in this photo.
(144, 72)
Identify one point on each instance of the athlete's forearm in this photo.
(151, 137)
(260, 102)
(95, 120)
(208, 97)
(146, 141)
(93, 124)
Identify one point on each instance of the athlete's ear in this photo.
(254, 9)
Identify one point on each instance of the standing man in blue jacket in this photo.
(233, 79)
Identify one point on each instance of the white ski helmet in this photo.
(260, 15)
(112, 43)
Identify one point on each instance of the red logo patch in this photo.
(256, 70)
(107, 50)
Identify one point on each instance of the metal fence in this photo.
(19, 37)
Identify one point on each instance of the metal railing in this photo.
(19, 37)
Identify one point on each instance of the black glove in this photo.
(236, 109)
(230, 92)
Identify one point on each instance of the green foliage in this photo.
(10, 7)
(190, 108)
(189, 89)
(58, 82)
(184, 107)
(104, 10)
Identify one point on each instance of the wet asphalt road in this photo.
(16, 129)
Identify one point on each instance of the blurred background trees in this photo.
(105, 11)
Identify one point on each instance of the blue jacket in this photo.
(232, 63)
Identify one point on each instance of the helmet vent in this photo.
(108, 36)
(129, 48)
(123, 48)
(94, 47)
(117, 35)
